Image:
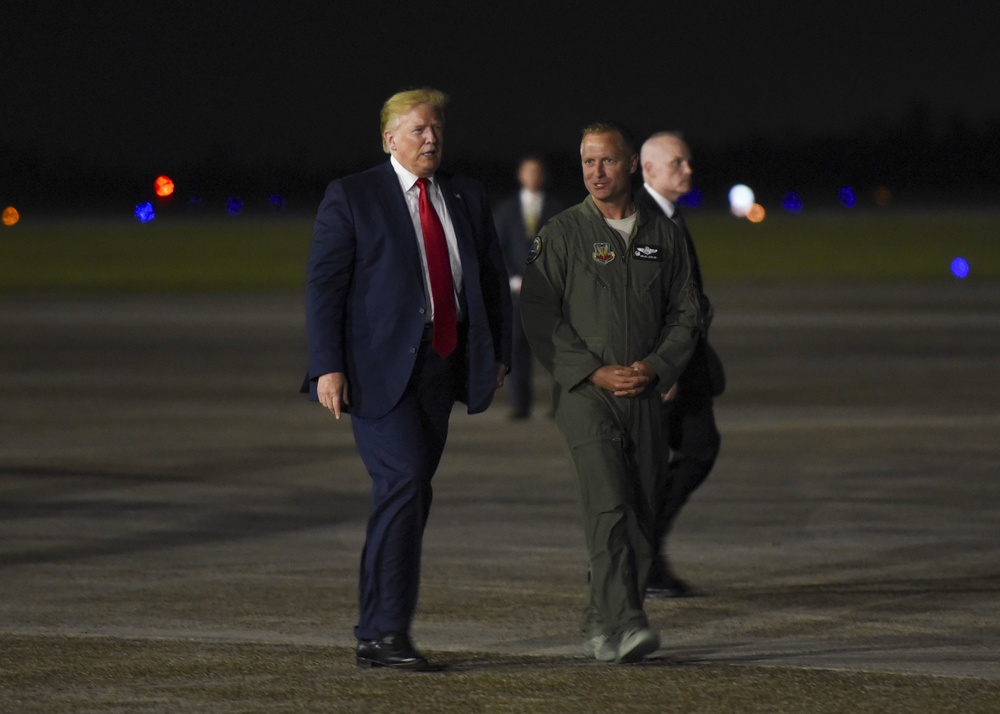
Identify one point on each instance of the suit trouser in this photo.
(689, 428)
(615, 446)
(519, 385)
(401, 451)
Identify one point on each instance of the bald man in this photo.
(688, 417)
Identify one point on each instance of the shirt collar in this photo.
(664, 203)
(407, 179)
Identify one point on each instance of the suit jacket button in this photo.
(413, 350)
(422, 311)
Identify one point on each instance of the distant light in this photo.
(195, 202)
(960, 268)
(10, 216)
(691, 199)
(234, 204)
(882, 196)
(277, 201)
(741, 199)
(164, 186)
(791, 202)
(847, 197)
(756, 213)
(144, 212)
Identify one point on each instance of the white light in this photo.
(741, 199)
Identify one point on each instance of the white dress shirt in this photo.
(411, 192)
(665, 204)
(531, 206)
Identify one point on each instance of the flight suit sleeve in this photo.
(555, 343)
(683, 321)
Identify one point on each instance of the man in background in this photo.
(518, 220)
(688, 415)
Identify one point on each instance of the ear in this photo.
(633, 164)
(390, 140)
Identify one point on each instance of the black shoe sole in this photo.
(418, 666)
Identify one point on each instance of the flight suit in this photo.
(590, 300)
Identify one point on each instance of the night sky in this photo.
(300, 84)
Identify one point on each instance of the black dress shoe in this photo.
(395, 651)
(668, 585)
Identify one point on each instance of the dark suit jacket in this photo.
(704, 375)
(365, 301)
(514, 240)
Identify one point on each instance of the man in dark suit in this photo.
(407, 311)
(688, 416)
(518, 220)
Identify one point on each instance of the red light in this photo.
(164, 186)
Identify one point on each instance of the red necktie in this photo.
(439, 271)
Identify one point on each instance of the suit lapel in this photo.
(462, 222)
(398, 218)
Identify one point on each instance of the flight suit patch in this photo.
(648, 252)
(535, 250)
(603, 253)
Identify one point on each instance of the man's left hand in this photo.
(501, 373)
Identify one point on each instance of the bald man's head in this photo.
(666, 165)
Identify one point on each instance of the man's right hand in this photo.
(623, 381)
(332, 391)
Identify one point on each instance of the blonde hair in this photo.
(611, 126)
(401, 102)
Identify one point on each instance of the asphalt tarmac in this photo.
(164, 489)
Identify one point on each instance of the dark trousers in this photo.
(401, 451)
(688, 425)
(519, 384)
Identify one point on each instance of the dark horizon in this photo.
(282, 97)
(906, 158)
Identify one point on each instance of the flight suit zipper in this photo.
(617, 240)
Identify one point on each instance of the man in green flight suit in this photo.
(610, 309)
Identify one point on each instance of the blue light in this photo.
(691, 199)
(960, 268)
(144, 212)
(791, 202)
(234, 204)
(277, 201)
(847, 197)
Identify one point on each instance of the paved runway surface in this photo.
(162, 482)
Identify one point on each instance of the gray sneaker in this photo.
(600, 648)
(636, 643)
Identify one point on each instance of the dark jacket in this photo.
(365, 300)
